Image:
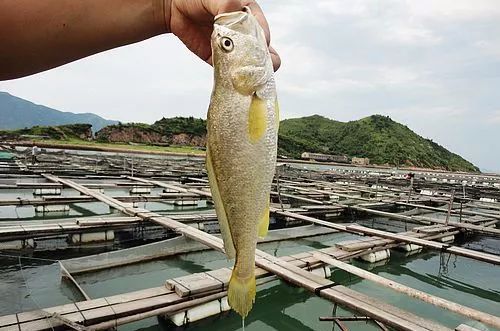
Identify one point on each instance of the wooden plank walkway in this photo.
(434, 300)
(25, 231)
(417, 219)
(357, 229)
(353, 228)
(283, 269)
(185, 289)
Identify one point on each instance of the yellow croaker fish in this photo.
(242, 138)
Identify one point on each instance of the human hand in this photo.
(192, 22)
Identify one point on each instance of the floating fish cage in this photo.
(99, 240)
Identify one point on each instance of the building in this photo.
(360, 160)
(324, 157)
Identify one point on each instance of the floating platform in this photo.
(316, 204)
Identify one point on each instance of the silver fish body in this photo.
(242, 125)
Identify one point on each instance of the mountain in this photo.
(377, 137)
(17, 113)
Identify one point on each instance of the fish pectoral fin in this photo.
(264, 222)
(257, 123)
(219, 209)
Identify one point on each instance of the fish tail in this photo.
(241, 293)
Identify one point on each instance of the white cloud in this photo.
(416, 60)
(489, 47)
(357, 8)
(495, 117)
(431, 113)
(454, 10)
(408, 33)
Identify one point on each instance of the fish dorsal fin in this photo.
(219, 208)
(264, 222)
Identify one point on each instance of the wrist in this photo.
(161, 10)
(167, 10)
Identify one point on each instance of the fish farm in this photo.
(115, 241)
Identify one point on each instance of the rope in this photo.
(30, 294)
(27, 258)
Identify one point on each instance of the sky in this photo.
(433, 65)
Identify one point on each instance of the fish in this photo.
(242, 135)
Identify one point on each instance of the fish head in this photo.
(239, 52)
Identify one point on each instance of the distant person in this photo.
(40, 35)
(410, 175)
(34, 151)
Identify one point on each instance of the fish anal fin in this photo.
(219, 209)
(264, 222)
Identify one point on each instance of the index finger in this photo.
(259, 15)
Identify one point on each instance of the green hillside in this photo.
(61, 132)
(377, 137)
(176, 125)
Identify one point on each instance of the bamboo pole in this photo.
(420, 219)
(434, 300)
(164, 310)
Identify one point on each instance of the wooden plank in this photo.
(357, 229)
(10, 328)
(138, 295)
(465, 327)
(43, 324)
(8, 320)
(69, 323)
(480, 256)
(367, 243)
(194, 284)
(126, 308)
(309, 219)
(66, 274)
(434, 300)
(222, 275)
(374, 311)
(158, 183)
(427, 219)
(490, 258)
(432, 229)
(418, 322)
(455, 212)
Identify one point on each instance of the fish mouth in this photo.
(232, 18)
(239, 21)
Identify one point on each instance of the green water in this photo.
(282, 307)
(278, 306)
(27, 284)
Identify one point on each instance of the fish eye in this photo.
(226, 44)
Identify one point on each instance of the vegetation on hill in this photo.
(377, 137)
(185, 131)
(178, 125)
(61, 132)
